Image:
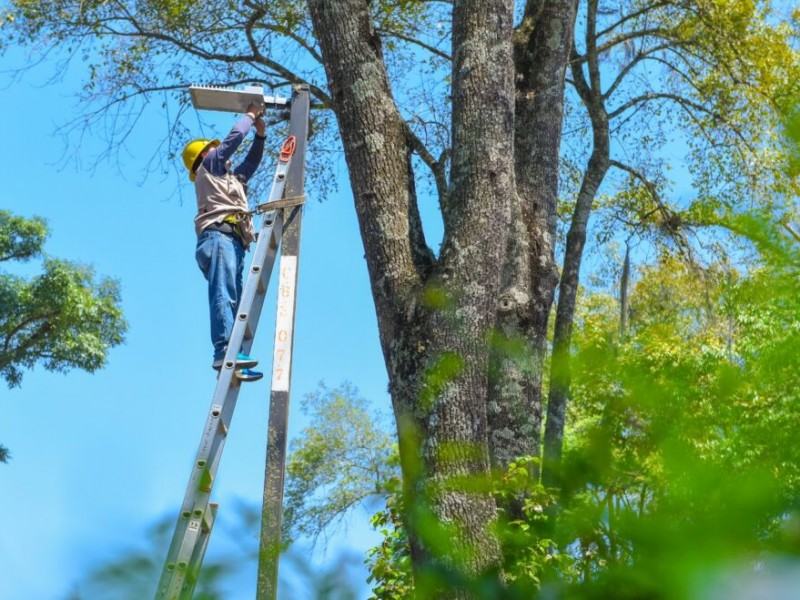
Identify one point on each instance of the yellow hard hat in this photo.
(192, 154)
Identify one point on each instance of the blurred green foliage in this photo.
(132, 573)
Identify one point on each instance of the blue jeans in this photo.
(220, 257)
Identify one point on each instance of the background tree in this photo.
(342, 459)
(680, 429)
(706, 77)
(61, 319)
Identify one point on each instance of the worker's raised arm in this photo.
(249, 165)
(215, 161)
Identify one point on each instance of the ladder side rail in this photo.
(271, 517)
(206, 481)
(223, 403)
(227, 389)
(174, 584)
(188, 531)
(188, 521)
(193, 575)
(256, 285)
(215, 430)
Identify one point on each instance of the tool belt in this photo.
(225, 227)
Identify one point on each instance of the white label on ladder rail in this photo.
(282, 360)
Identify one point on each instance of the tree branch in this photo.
(411, 40)
(634, 15)
(683, 102)
(640, 57)
(437, 167)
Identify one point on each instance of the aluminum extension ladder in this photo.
(281, 225)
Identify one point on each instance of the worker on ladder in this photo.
(224, 226)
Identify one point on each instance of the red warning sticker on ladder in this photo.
(288, 148)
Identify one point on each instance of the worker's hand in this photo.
(260, 126)
(255, 110)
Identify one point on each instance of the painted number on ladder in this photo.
(282, 358)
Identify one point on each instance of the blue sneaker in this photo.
(248, 375)
(242, 362)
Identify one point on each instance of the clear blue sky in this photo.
(98, 458)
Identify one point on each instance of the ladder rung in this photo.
(209, 517)
(262, 283)
(206, 480)
(248, 331)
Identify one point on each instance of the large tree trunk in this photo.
(434, 316)
(542, 43)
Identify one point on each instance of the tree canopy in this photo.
(343, 458)
(63, 318)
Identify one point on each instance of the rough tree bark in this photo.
(541, 47)
(436, 315)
